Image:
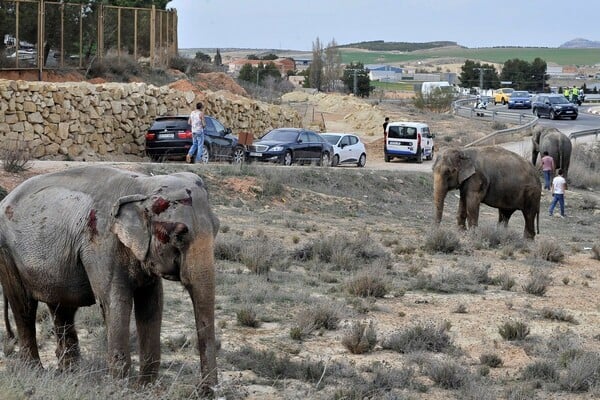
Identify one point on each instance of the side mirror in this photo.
(342, 145)
(227, 131)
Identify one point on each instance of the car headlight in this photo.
(276, 148)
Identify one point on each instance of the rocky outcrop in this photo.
(80, 120)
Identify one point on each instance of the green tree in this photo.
(269, 56)
(469, 76)
(202, 57)
(316, 67)
(247, 73)
(524, 75)
(217, 60)
(357, 74)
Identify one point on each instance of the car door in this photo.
(215, 133)
(427, 139)
(544, 106)
(345, 149)
(302, 146)
(315, 147)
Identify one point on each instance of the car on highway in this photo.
(502, 95)
(519, 99)
(171, 137)
(289, 146)
(347, 149)
(553, 106)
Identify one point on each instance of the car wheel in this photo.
(325, 160)
(287, 158)
(430, 155)
(362, 160)
(552, 115)
(574, 117)
(419, 156)
(205, 155)
(387, 158)
(336, 161)
(238, 155)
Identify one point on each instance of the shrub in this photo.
(447, 374)
(596, 251)
(259, 253)
(582, 373)
(246, 316)
(491, 360)
(514, 330)
(558, 315)
(369, 283)
(495, 236)
(15, 157)
(448, 280)
(538, 282)
(420, 337)
(548, 250)
(498, 126)
(317, 316)
(442, 241)
(360, 338)
(543, 370)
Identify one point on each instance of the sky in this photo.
(295, 25)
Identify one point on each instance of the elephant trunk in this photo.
(198, 277)
(439, 195)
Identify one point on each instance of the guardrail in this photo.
(526, 121)
(574, 135)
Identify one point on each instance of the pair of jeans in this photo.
(547, 179)
(560, 199)
(197, 145)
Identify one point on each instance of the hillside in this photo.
(580, 43)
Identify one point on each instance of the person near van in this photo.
(559, 186)
(386, 121)
(574, 93)
(567, 93)
(548, 169)
(196, 121)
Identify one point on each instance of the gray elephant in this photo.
(89, 234)
(557, 144)
(490, 175)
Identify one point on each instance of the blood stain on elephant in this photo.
(160, 205)
(92, 223)
(9, 212)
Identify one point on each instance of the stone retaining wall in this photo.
(80, 120)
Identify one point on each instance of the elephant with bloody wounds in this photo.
(89, 234)
(557, 144)
(490, 175)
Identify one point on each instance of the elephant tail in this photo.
(9, 340)
(537, 220)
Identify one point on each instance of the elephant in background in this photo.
(490, 175)
(557, 144)
(89, 234)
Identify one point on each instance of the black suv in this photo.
(171, 137)
(553, 106)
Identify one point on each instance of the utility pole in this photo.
(481, 71)
(355, 80)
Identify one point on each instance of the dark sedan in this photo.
(291, 145)
(554, 106)
(171, 137)
(519, 99)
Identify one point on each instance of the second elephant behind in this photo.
(557, 144)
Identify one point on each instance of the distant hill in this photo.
(380, 45)
(580, 43)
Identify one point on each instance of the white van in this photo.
(427, 88)
(408, 140)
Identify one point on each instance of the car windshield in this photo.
(281, 135)
(509, 90)
(520, 94)
(558, 100)
(333, 139)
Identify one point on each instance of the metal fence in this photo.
(39, 34)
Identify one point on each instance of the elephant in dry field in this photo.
(557, 144)
(490, 175)
(100, 234)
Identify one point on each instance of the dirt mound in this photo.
(47, 76)
(216, 81)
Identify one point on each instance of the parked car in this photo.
(171, 137)
(553, 106)
(411, 140)
(347, 149)
(502, 95)
(519, 99)
(291, 145)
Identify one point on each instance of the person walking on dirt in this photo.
(559, 186)
(196, 120)
(548, 169)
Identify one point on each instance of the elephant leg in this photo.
(529, 232)
(67, 348)
(148, 303)
(24, 310)
(472, 209)
(461, 216)
(117, 314)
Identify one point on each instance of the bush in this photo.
(442, 241)
(369, 283)
(15, 156)
(585, 166)
(447, 374)
(538, 282)
(495, 236)
(317, 316)
(558, 315)
(420, 337)
(448, 280)
(543, 370)
(246, 316)
(505, 281)
(514, 330)
(491, 360)
(548, 250)
(360, 338)
(582, 373)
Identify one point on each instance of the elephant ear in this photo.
(466, 169)
(131, 225)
